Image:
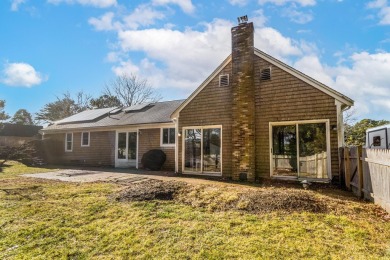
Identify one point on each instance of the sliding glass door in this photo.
(300, 149)
(284, 139)
(202, 150)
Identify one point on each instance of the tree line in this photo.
(123, 91)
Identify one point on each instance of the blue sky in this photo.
(48, 47)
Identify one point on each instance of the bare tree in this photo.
(64, 106)
(350, 117)
(131, 90)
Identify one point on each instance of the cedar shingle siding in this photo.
(100, 151)
(283, 98)
(212, 106)
(286, 98)
(150, 139)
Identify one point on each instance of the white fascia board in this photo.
(108, 128)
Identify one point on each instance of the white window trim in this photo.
(89, 139)
(201, 149)
(66, 142)
(161, 137)
(296, 123)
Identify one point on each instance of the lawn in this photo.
(50, 219)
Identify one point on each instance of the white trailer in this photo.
(378, 137)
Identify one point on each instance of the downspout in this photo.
(341, 108)
(176, 121)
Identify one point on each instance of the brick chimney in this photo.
(243, 110)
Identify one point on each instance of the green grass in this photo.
(50, 219)
(12, 168)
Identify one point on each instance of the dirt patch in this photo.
(255, 200)
(288, 200)
(150, 190)
(217, 198)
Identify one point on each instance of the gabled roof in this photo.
(7, 129)
(309, 80)
(154, 113)
(322, 87)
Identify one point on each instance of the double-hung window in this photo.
(85, 139)
(168, 136)
(68, 142)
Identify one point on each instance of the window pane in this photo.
(172, 135)
(212, 150)
(85, 139)
(122, 146)
(284, 150)
(312, 151)
(165, 135)
(69, 145)
(69, 137)
(132, 146)
(192, 150)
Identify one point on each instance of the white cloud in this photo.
(15, 4)
(311, 65)
(125, 67)
(185, 5)
(185, 58)
(384, 10)
(258, 18)
(297, 16)
(21, 74)
(238, 2)
(104, 23)
(95, 3)
(384, 103)
(377, 4)
(186, 55)
(283, 2)
(274, 43)
(143, 15)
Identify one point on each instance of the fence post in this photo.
(347, 165)
(360, 170)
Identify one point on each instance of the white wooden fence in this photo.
(367, 173)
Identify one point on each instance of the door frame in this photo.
(125, 163)
(296, 123)
(203, 173)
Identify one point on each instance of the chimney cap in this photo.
(242, 19)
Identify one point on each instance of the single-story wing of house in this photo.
(253, 117)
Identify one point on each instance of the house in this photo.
(15, 134)
(253, 117)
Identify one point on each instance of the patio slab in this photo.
(114, 175)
